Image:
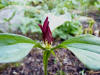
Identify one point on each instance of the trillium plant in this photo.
(86, 47)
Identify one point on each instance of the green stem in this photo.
(46, 55)
(9, 28)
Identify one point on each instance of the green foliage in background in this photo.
(29, 25)
(5, 3)
(79, 4)
(7, 20)
(68, 29)
(97, 4)
(35, 10)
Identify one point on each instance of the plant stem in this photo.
(46, 55)
(9, 27)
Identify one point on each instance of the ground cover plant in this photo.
(15, 47)
(68, 30)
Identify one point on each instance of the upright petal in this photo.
(41, 27)
(46, 32)
(45, 23)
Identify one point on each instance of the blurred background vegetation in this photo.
(23, 16)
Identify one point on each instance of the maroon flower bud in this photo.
(46, 32)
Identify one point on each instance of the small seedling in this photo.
(90, 27)
(82, 72)
(60, 73)
(8, 20)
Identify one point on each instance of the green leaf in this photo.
(11, 17)
(86, 48)
(46, 55)
(53, 53)
(14, 47)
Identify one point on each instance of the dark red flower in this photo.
(46, 32)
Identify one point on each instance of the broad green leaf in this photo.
(86, 48)
(14, 47)
(46, 55)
